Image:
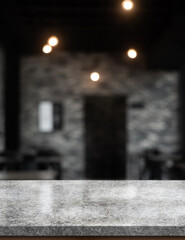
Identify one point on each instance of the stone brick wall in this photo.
(1, 100)
(64, 78)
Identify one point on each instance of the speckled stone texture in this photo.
(64, 78)
(92, 208)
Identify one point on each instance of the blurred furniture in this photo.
(179, 171)
(29, 175)
(159, 166)
(152, 165)
(44, 165)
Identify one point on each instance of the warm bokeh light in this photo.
(95, 76)
(132, 53)
(47, 49)
(127, 5)
(53, 41)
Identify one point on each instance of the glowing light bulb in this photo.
(127, 5)
(95, 76)
(53, 41)
(132, 53)
(47, 49)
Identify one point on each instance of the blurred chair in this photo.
(158, 165)
(152, 168)
(179, 171)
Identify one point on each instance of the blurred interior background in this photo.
(92, 89)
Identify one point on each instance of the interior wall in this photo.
(152, 104)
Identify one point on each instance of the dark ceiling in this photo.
(87, 25)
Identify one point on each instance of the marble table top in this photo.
(92, 208)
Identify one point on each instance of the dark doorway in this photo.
(12, 99)
(105, 131)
